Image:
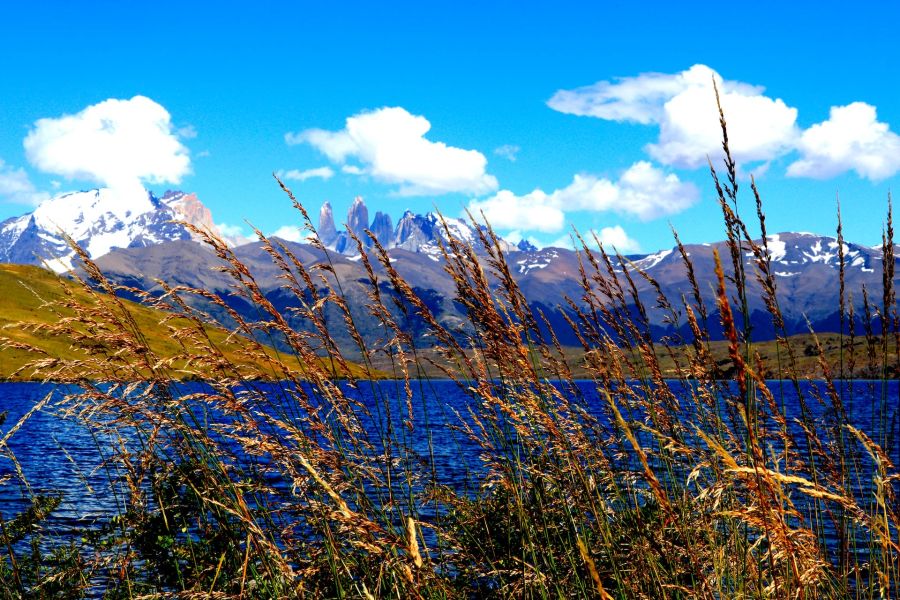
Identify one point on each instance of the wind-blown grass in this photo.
(692, 479)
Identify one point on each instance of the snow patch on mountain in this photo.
(98, 221)
(650, 261)
(777, 248)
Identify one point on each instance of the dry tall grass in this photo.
(280, 483)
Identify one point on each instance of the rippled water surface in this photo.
(59, 455)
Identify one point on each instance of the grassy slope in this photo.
(26, 291)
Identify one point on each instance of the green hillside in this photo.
(34, 300)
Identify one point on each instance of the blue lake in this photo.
(61, 456)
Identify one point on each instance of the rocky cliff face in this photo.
(189, 209)
(382, 227)
(358, 217)
(416, 233)
(413, 232)
(327, 232)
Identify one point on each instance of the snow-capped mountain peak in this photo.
(98, 220)
(76, 212)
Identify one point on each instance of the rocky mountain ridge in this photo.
(805, 268)
(138, 242)
(102, 220)
(414, 232)
(99, 221)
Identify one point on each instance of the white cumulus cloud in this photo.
(642, 191)
(389, 144)
(535, 211)
(232, 234)
(615, 237)
(16, 186)
(851, 139)
(290, 233)
(229, 230)
(116, 143)
(683, 106)
(317, 173)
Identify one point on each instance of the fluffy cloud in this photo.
(317, 173)
(232, 234)
(389, 144)
(290, 233)
(15, 186)
(615, 237)
(230, 230)
(642, 191)
(116, 143)
(683, 106)
(632, 99)
(851, 139)
(536, 211)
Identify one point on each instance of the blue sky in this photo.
(544, 116)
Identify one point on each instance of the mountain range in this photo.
(137, 245)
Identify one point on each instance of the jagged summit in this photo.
(415, 233)
(382, 226)
(525, 246)
(191, 210)
(358, 217)
(99, 220)
(327, 232)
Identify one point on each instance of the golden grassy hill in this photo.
(34, 301)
